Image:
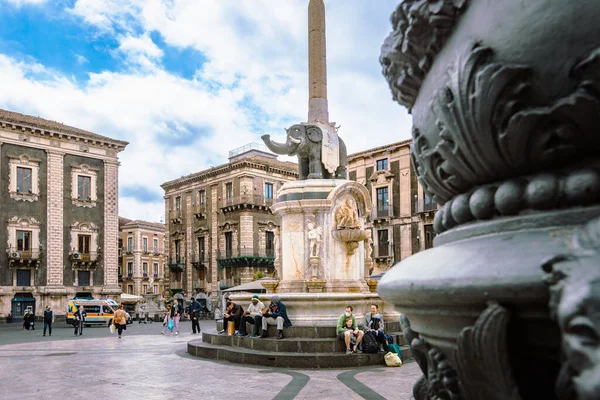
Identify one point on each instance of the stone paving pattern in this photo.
(147, 365)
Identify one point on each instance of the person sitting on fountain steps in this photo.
(374, 325)
(276, 314)
(344, 334)
(233, 313)
(253, 315)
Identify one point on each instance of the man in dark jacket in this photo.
(233, 313)
(194, 315)
(276, 314)
(48, 320)
(79, 316)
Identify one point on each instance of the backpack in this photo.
(370, 343)
(394, 348)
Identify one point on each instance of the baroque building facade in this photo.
(401, 220)
(142, 257)
(58, 214)
(221, 231)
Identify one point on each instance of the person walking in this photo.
(120, 320)
(166, 320)
(48, 320)
(194, 315)
(79, 316)
(175, 316)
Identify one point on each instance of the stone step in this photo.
(310, 331)
(311, 360)
(288, 344)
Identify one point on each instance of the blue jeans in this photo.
(49, 326)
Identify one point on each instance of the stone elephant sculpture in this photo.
(305, 142)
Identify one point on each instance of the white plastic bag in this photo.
(392, 360)
(112, 328)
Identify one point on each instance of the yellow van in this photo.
(98, 312)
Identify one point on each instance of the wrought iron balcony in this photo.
(246, 201)
(177, 263)
(89, 257)
(230, 282)
(202, 258)
(246, 258)
(145, 275)
(199, 284)
(14, 254)
(384, 212)
(176, 216)
(422, 207)
(383, 251)
(176, 285)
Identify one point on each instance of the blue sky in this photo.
(185, 81)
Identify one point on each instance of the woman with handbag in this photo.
(120, 320)
(167, 322)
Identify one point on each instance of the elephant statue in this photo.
(305, 142)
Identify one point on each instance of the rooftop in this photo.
(380, 149)
(250, 149)
(53, 126)
(138, 223)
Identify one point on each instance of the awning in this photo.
(130, 298)
(254, 287)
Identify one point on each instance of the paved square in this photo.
(147, 365)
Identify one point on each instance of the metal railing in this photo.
(244, 252)
(247, 147)
(201, 258)
(177, 260)
(382, 212)
(176, 285)
(246, 199)
(385, 250)
(145, 275)
(16, 254)
(198, 284)
(421, 206)
(175, 214)
(199, 208)
(90, 256)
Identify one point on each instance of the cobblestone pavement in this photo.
(147, 365)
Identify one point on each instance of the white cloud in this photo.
(81, 59)
(256, 54)
(19, 3)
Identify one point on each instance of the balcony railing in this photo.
(230, 282)
(199, 284)
(176, 285)
(382, 212)
(156, 251)
(246, 199)
(129, 275)
(175, 215)
(199, 209)
(383, 251)
(422, 207)
(201, 258)
(177, 263)
(84, 257)
(243, 252)
(145, 275)
(16, 254)
(157, 276)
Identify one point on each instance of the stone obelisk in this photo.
(317, 64)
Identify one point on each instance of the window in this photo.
(155, 245)
(428, 204)
(23, 277)
(178, 203)
(130, 269)
(202, 197)
(23, 241)
(130, 244)
(228, 190)
(382, 201)
(130, 289)
(145, 269)
(24, 180)
(268, 190)
(145, 244)
(83, 244)
(177, 250)
(382, 164)
(83, 187)
(83, 278)
(429, 236)
(383, 243)
(155, 269)
(270, 243)
(228, 244)
(145, 289)
(201, 249)
(155, 289)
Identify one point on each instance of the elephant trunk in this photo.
(288, 148)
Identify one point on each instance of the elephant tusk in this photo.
(293, 140)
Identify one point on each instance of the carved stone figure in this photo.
(368, 244)
(346, 216)
(276, 236)
(306, 142)
(575, 305)
(314, 239)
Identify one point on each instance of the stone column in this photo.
(54, 227)
(188, 242)
(246, 234)
(111, 228)
(214, 242)
(317, 63)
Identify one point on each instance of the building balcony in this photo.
(229, 282)
(199, 285)
(380, 214)
(177, 264)
(156, 252)
(247, 201)
(88, 259)
(176, 216)
(176, 287)
(23, 257)
(383, 252)
(246, 258)
(199, 211)
(157, 276)
(145, 275)
(422, 208)
(200, 259)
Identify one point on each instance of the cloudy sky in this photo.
(185, 81)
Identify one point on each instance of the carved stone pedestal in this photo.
(315, 286)
(372, 285)
(270, 286)
(506, 113)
